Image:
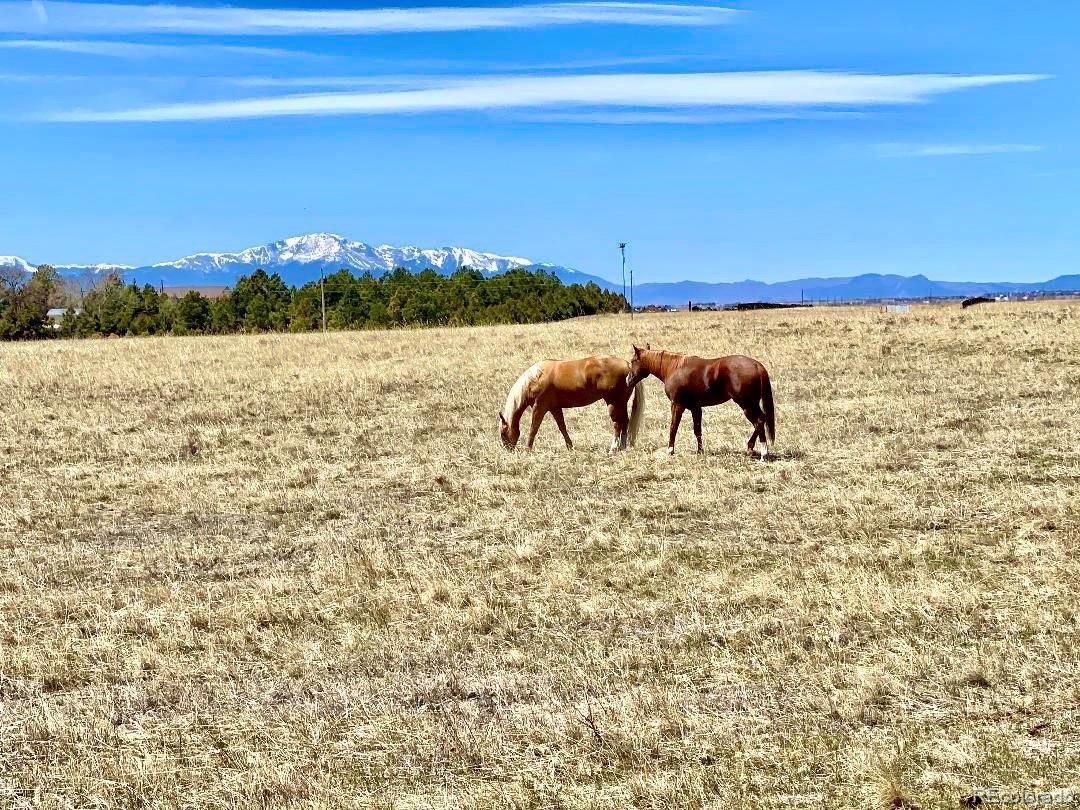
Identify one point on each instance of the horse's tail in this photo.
(516, 399)
(767, 406)
(637, 413)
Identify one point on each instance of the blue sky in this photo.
(767, 140)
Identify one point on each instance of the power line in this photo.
(322, 292)
(622, 250)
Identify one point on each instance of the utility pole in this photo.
(322, 294)
(622, 250)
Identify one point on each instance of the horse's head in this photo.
(507, 433)
(638, 372)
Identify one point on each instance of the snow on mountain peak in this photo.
(26, 267)
(312, 247)
(299, 259)
(101, 267)
(17, 263)
(334, 252)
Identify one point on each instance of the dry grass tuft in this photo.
(299, 570)
(191, 446)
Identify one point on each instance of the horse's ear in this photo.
(637, 351)
(647, 347)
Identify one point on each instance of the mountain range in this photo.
(869, 286)
(300, 259)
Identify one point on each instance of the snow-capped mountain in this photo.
(300, 259)
(332, 252)
(17, 263)
(104, 267)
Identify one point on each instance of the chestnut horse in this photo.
(693, 383)
(551, 385)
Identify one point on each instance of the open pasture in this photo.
(300, 570)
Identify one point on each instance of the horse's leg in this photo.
(620, 419)
(558, 416)
(696, 413)
(537, 417)
(756, 418)
(676, 417)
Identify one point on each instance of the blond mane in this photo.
(520, 392)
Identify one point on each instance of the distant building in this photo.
(56, 316)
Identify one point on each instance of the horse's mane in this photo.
(520, 391)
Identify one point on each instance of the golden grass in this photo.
(300, 570)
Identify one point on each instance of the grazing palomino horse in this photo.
(695, 382)
(551, 385)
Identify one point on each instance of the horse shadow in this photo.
(774, 456)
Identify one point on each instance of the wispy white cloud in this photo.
(590, 64)
(683, 117)
(405, 82)
(671, 91)
(110, 18)
(138, 50)
(949, 149)
(464, 63)
(383, 81)
(46, 78)
(36, 77)
(416, 81)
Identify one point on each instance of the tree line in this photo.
(263, 302)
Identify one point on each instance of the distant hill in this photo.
(300, 259)
(868, 286)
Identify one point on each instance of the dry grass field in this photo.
(299, 570)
